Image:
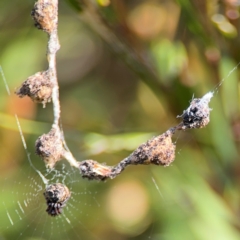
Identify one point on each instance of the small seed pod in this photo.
(56, 196)
(38, 87)
(197, 114)
(49, 147)
(45, 15)
(159, 151)
(93, 170)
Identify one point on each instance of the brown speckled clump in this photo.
(49, 147)
(38, 87)
(93, 170)
(197, 114)
(45, 14)
(159, 151)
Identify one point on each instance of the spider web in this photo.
(25, 208)
(28, 207)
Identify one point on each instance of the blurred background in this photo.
(126, 69)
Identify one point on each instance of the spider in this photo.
(56, 196)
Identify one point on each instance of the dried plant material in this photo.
(45, 15)
(43, 86)
(197, 114)
(56, 196)
(93, 170)
(38, 87)
(159, 151)
(49, 147)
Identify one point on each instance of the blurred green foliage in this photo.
(126, 69)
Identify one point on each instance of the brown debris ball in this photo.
(197, 114)
(49, 147)
(159, 151)
(45, 15)
(93, 170)
(38, 87)
(56, 196)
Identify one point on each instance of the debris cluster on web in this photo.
(43, 87)
(50, 148)
(159, 150)
(38, 87)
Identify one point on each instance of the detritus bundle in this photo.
(38, 87)
(49, 147)
(45, 14)
(158, 151)
(43, 86)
